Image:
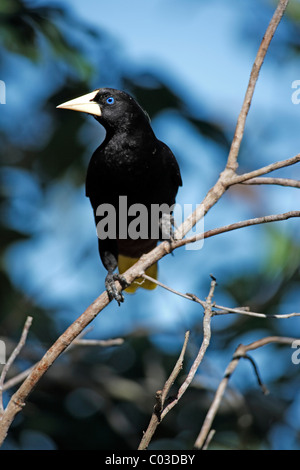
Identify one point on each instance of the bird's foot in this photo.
(121, 279)
(167, 224)
(111, 288)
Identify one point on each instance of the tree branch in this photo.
(104, 343)
(17, 400)
(161, 396)
(12, 358)
(266, 169)
(224, 310)
(245, 311)
(239, 131)
(227, 177)
(237, 225)
(77, 342)
(156, 417)
(278, 181)
(241, 352)
(208, 313)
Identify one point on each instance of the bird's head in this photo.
(112, 108)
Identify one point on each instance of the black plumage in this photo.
(130, 162)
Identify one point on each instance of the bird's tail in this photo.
(125, 262)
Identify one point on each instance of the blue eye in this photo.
(110, 100)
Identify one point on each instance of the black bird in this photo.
(130, 162)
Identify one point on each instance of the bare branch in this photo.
(157, 417)
(244, 349)
(246, 311)
(17, 401)
(211, 434)
(77, 342)
(260, 383)
(160, 398)
(104, 343)
(224, 310)
(12, 358)
(239, 131)
(18, 378)
(164, 286)
(208, 313)
(266, 169)
(241, 352)
(228, 177)
(237, 225)
(278, 181)
(177, 368)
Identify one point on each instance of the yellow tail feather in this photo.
(125, 262)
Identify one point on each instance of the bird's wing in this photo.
(171, 164)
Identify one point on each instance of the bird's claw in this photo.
(111, 288)
(166, 225)
(121, 279)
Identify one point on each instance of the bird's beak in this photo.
(84, 103)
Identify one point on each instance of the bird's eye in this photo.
(110, 100)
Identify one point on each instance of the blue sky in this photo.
(201, 44)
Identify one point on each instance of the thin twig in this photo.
(255, 368)
(229, 177)
(104, 343)
(18, 378)
(246, 311)
(12, 358)
(177, 368)
(157, 417)
(277, 181)
(208, 313)
(211, 434)
(237, 225)
(77, 342)
(224, 310)
(260, 56)
(170, 289)
(160, 398)
(266, 169)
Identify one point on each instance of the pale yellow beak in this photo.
(84, 103)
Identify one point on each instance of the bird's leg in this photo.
(111, 288)
(166, 225)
